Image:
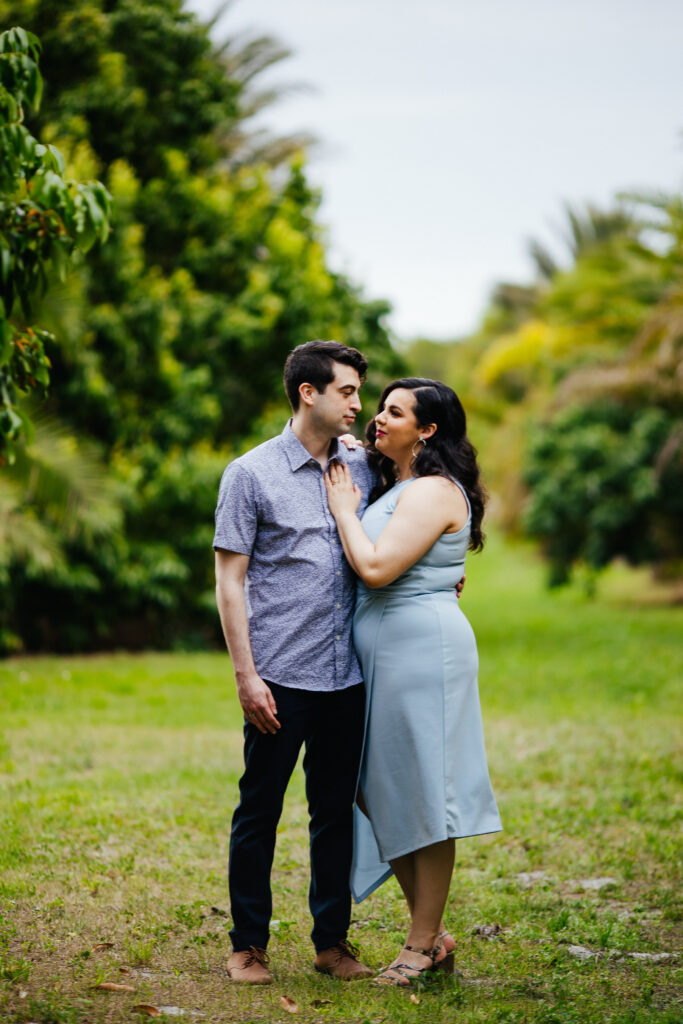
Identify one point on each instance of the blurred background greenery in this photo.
(167, 342)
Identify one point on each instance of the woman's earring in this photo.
(421, 441)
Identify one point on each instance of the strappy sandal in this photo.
(406, 980)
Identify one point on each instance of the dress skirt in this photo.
(424, 775)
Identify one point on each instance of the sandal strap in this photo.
(408, 971)
(385, 975)
(402, 968)
(431, 953)
(422, 952)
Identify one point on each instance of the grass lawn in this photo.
(118, 775)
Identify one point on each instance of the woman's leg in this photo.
(432, 877)
(404, 869)
(424, 876)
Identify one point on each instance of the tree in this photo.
(44, 221)
(578, 377)
(606, 471)
(170, 341)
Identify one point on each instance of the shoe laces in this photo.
(346, 948)
(256, 956)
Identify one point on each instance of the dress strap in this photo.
(464, 492)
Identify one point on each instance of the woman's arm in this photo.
(425, 510)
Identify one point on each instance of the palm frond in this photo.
(245, 57)
(545, 263)
(64, 483)
(23, 537)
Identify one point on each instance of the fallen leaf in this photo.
(111, 986)
(217, 910)
(22, 993)
(414, 999)
(147, 1009)
(102, 945)
(289, 1005)
(123, 970)
(321, 1002)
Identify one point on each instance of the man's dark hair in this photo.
(311, 363)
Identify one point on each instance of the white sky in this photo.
(453, 131)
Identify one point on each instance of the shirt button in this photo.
(338, 607)
(337, 638)
(338, 572)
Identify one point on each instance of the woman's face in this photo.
(396, 426)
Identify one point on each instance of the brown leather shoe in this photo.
(341, 961)
(248, 966)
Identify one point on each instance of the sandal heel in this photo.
(447, 964)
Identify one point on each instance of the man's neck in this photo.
(316, 444)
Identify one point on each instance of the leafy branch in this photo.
(44, 219)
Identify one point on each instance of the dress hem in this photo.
(388, 872)
(463, 835)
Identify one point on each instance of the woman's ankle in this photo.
(419, 940)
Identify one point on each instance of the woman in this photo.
(424, 779)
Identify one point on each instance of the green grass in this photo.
(118, 776)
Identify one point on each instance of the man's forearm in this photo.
(232, 609)
(254, 695)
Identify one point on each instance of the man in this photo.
(298, 679)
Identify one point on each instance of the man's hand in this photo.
(459, 586)
(257, 703)
(255, 697)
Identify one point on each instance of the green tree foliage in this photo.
(44, 219)
(170, 342)
(605, 482)
(575, 387)
(605, 469)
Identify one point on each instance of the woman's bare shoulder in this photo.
(427, 489)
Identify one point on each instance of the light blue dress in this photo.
(423, 772)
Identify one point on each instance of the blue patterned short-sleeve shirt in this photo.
(272, 506)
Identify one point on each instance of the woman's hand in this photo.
(350, 441)
(342, 494)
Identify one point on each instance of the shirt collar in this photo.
(299, 456)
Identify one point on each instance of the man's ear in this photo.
(307, 393)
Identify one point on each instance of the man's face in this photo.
(335, 408)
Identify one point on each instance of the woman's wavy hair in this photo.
(448, 452)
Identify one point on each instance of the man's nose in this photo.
(355, 403)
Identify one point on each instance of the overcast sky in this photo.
(452, 131)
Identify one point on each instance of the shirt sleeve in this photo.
(236, 511)
(357, 461)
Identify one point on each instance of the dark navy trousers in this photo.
(330, 727)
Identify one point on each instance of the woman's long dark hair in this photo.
(448, 452)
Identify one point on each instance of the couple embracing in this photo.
(337, 569)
